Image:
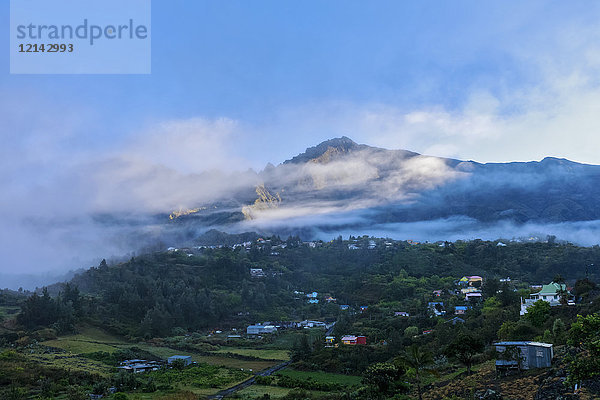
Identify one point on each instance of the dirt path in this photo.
(250, 381)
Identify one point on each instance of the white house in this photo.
(550, 293)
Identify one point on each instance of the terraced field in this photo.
(265, 354)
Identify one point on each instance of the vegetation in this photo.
(189, 303)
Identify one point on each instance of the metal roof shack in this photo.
(523, 355)
(260, 329)
(187, 360)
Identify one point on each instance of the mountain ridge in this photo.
(342, 185)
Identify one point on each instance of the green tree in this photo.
(15, 393)
(178, 364)
(585, 337)
(490, 305)
(301, 349)
(511, 353)
(538, 313)
(383, 376)
(490, 287)
(411, 331)
(420, 362)
(558, 331)
(558, 278)
(520, 330)
(583, 287)
(465, 348)
(76, 392)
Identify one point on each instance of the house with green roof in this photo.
(550, 293)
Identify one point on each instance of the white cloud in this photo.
(188, 146)
(52, 188)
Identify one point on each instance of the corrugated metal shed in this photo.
(532, 354)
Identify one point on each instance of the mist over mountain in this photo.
(336, 188)
(342, 185)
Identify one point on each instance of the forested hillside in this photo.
(195, 289)
(403, 297)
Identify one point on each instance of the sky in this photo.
(238, 84)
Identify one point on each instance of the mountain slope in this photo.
(340, 175)
(342, 186)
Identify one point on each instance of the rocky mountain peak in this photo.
(327, 150)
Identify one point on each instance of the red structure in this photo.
(354, 340)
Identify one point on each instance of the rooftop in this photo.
(552, 288)
(523, 343)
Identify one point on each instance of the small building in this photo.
(473, 281)
(257, 273)
(550, 293)
(437, 293)
(526, 355)
(187, 360)
(456, 320)
(473, 296)
(468, 290)
(401, 314)
(363, 308)
(312, 324)
(330, 299)
(260, 329)
(436, 307)
(344, 306)
(461, 310)
(353, 340)
(313, 301)
(137, 366)
(329, 339)
(312, 295)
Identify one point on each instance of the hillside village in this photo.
(292, 309)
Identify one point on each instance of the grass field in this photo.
(257, 391)
(211, 379)
(265, 354)
(325, 377)
(9, 311)
(88, 340)
(254, 365)
(71, 362)
(286, 340)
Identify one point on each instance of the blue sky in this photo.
(237, 84)
(274, 67)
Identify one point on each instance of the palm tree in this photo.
(562, 292)
(419, 361)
